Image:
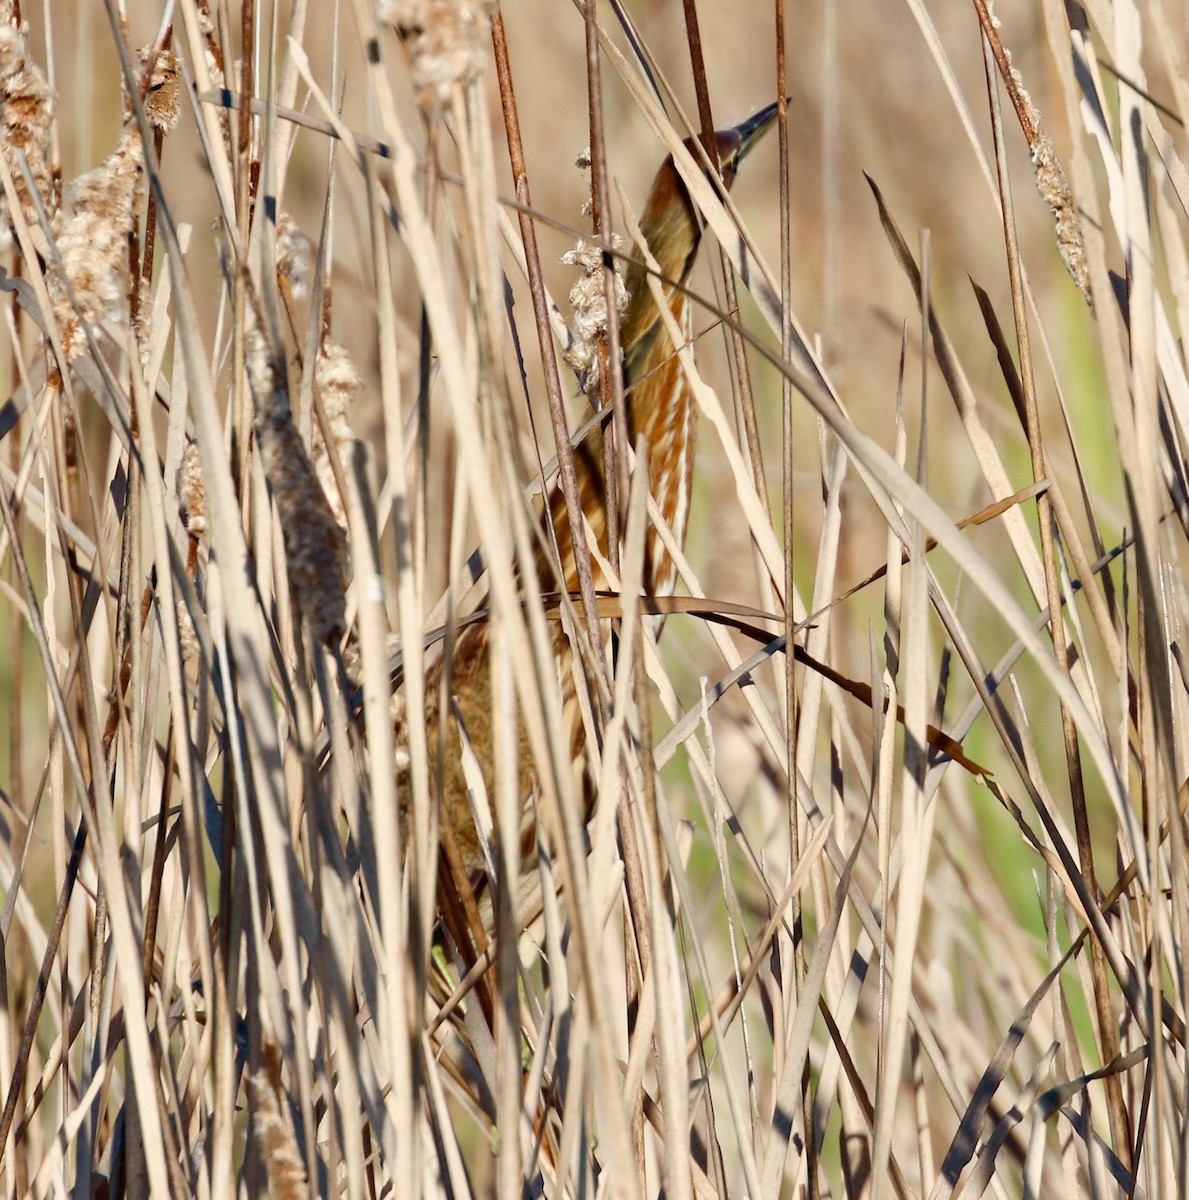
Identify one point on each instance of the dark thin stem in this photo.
(150, 228)
(248, 31)
(705, 118)
(786, 342)
(1003, 62)
(153, 904)
(567, 474)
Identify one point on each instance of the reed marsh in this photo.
(884, 890)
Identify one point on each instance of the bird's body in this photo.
(661, 410)
(669, 433)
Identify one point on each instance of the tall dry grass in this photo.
(898, 913)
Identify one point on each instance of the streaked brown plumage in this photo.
(661, 409)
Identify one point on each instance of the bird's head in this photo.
(733, 145)
(672, 226)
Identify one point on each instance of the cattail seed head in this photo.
(92, 240)
(315, 548)
(446, 41)
(162, 98)
(337, 382)
(27, 110)
(589, 299)
(295, 255)
(192, 491)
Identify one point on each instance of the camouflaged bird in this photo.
(661, 409)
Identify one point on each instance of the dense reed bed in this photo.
(885, 888)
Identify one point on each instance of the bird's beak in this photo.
(750, 131)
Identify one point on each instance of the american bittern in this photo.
(661, 409)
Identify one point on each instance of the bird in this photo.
(660, 409)
(659, 404)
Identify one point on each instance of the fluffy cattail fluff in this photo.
(101, 209)
(192, 491)
(589, 322)
(92, 240)
(26, 115)
(187, 638)
(295, 255)
(213, 53)
(337, 381)
(161, 102)
(446, 41)
(315, 548)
